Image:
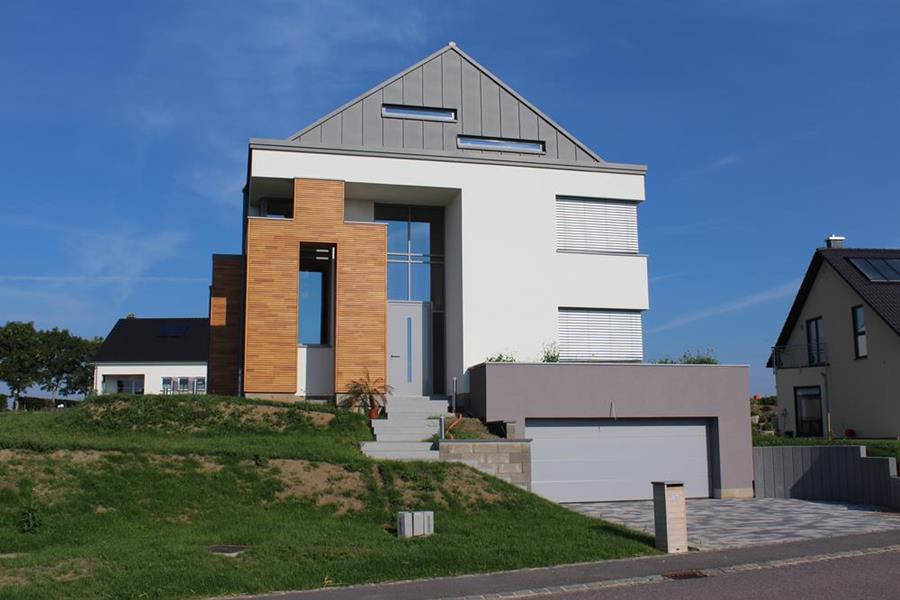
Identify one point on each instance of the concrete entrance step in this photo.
(396, 426)
(399, 450)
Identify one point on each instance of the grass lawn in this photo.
(873, 447)
(121, 497)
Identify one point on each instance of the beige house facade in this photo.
(837, 360)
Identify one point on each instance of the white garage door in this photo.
(583, 460)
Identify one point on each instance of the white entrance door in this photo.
(409, 348)
(587, 460)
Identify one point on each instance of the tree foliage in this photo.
(54, 359)
(20, 357)
(691, 358)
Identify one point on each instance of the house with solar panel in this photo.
(837, 359)
(153, 356)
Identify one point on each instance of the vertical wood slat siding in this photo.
(600, 335)
(587, 225)
(273, 248)
(226, 310)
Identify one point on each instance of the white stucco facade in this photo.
(153, 374)
(505, 278)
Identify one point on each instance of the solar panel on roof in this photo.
(878, 269)
(172, 330)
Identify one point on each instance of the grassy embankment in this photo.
(121, 497)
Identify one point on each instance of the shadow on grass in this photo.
(607, 528)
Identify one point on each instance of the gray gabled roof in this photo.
(448, 78)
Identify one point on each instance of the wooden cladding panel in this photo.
(226, 310)
(272, 276)
(270, 351)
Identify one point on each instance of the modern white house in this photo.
(437, 220)
(153, 356)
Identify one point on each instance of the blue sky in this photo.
(766, 126)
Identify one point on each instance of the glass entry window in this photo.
(808, 405)
(415, 269)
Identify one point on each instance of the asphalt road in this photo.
(875, 577)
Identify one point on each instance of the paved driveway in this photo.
(716, 524)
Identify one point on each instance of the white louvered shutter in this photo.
(587, 225)
(600, 335)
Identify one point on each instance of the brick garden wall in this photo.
(509, 460)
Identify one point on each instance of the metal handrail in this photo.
(796, 356)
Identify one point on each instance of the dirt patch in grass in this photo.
(274, 417)
(457, 484)
(48, 476)
(186, 517)
(327, 484)
(471, 428)
(63, 572)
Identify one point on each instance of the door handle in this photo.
(395, 356)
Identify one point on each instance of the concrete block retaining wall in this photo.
(831, 473)
(509, 460)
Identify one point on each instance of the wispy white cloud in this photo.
(775, 293)
(658, 278)
(725, 160)
(124, 255)
(253, 54)
(219, 184)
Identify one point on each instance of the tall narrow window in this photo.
(314, 295)
(860, 342)
(415, 269)
(815, 342)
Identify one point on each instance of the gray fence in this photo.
(832, 473)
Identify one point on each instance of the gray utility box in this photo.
(670, 516)
(415, 524)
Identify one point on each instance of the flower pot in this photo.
(374, 412)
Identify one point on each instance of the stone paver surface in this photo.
(716, 524)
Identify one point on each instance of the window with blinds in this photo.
(592, 225)
(600, 335)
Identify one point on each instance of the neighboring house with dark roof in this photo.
(153, 356)
(837, 359)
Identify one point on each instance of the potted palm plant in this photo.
(368, 394)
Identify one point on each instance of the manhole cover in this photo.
(229, 550)
(685, 575)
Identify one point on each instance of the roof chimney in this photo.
(834, 241)
(129, 316)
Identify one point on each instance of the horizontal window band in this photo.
(474, 142)
(422, 113)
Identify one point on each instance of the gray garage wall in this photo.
(831, 473)
(514, 392)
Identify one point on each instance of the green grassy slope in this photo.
(121, 497)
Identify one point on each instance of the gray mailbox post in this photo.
(670, 516)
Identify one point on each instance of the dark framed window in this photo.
(130, 384)
(808, 410)
(815, 342)
(860, 340)
(314, 295)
